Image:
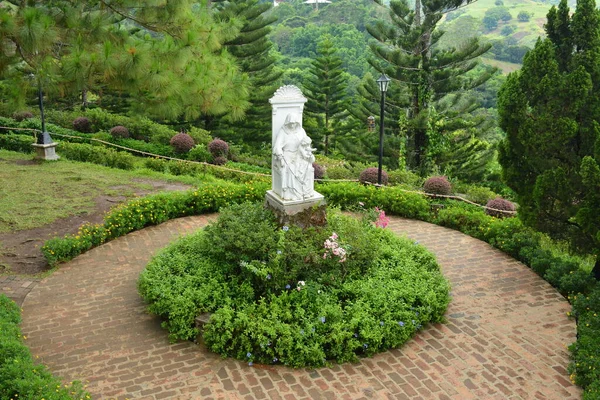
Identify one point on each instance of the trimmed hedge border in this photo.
(508, 235)
(20, 376)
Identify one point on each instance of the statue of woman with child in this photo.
(293, 158)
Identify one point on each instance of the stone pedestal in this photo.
(45, 151)
(303, 213)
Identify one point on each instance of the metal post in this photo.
(43, 137)
(381, 138)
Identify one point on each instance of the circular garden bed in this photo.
(298, 297)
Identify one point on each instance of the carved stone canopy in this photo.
(287, 93)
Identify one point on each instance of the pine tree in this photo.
(408, 52)
(167, 57)
(255, 56)
(549, 111)
(325, 90)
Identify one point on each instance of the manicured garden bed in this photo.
(299, 297)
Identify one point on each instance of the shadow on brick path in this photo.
(505, 336)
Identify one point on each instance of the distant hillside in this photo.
(513, 26)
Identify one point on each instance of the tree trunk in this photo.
(596, 269)
(84, 99)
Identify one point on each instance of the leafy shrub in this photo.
(82, 124)
(152, 148)
(119, 132)
(585, 353)
(480, 195)
(182, 142)
(218, 148)
(469, 220)
(319, 171)
(499, 204)
(437, 185)
(276, 299)
(182, 168)
(219, 160)
(394, 200)
(199, 153)
(20, 143)
(22, 115)
(371, 175)
(97, 155)
(156, 164)
(403, 177)
(200, 136)
(249, 168)
(20, 377)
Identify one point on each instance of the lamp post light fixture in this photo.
(383, 81)
(370, 123)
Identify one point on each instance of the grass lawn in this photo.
(33, 194)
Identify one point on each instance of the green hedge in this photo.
(96, 155)
(392, 199)
(16, 142)
(193, 169)
(20, 377)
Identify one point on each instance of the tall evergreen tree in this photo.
(325, 90)
(254, 53)
(550, 112)
(166, 56)
(409, 53)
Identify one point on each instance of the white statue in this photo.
(293, 158)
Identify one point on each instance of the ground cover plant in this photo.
(293, 296)
(20, 376)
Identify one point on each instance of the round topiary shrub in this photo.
(292, 296)
(218, 148)
(319, 171)
(22, 115)
(219, 160)
(500, 204)
(370, 175)
(437, 185)
(82, 124)
(119, 132)
(182, 142)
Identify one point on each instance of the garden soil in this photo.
(20, 252)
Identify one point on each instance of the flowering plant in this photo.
(333, 248)
(382, 221)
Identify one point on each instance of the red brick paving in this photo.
(505, 336)
(17, 287)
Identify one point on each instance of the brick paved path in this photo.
(505, 337)
(17, 287)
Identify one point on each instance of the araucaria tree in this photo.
(409, 53)
(325, 89)
(166, 56)
(550, 111)
(253, 51)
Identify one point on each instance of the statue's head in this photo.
(293, 121)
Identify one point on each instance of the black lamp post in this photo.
(383, 83)
(44, 136)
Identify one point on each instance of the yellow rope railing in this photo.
(258, 173)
